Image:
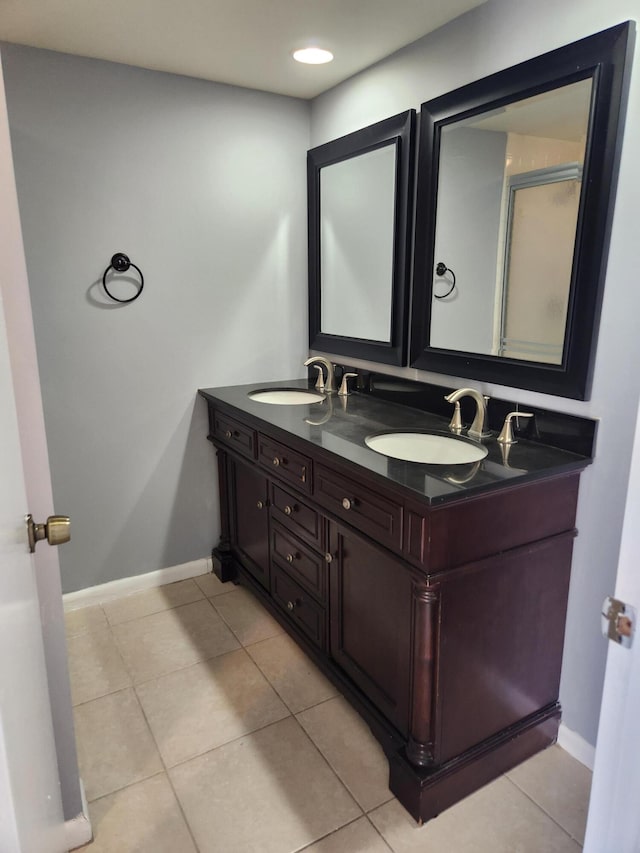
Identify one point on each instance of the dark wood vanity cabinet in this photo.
(370, 621)
(442, 624)
(249, 494)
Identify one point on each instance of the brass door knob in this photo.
(55, 530)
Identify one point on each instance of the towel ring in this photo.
(441, 269)
(121, 263)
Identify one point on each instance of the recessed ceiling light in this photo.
(313, 55)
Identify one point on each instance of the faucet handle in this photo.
(344, 385)
(320, 379)
(506, 434)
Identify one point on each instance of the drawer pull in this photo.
(291, 605)
(288, 510)
(303, 475)
(348, 503)
(260, 504)
(228, 433)
(328, 558)
(291, 557)
(276, 461)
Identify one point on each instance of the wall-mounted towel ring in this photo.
(441, 269)
(121, 263)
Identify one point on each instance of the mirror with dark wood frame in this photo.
(359, 207)
(516, 182)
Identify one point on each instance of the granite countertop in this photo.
(339, 425)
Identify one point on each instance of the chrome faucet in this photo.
(330, 382)
(478, 428)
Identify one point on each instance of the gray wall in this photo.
(490, 38)
(203, 186)
(469, 202)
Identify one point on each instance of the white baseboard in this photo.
(78, 831)
(137, 583)
(576, 746)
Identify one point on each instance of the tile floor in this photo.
(202, 727)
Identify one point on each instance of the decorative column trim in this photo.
(426, 613)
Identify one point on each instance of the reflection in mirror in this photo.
(516, 184)
(359, 215)
(511, 178)
(356, 245)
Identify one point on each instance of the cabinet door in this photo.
(250, 536)
(370, 632)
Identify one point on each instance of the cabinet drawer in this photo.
(298, 604)
(285, 463)
(307, 567)
(379, 517)
(296, 515)
(235, 434)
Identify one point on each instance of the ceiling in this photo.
(242, 42)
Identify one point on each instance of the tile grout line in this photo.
(339, 829)
(543, 810)
(275, 689)
(166, 771)
(331, 767)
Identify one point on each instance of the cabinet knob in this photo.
(290, 605)
(290, 558)
(347, 503)
(276, 461)
(260, 505)
(228, 433)
(328, 558)
(288, 510)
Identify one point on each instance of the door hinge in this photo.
(618, 621)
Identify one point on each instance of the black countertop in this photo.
(339, 425)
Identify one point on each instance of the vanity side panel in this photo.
(459, 533)
(502, 632)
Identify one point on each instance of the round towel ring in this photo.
(121, 263)
(441, 270)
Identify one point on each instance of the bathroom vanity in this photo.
(433, 596)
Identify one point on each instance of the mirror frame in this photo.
(603, 58)
(399, 131)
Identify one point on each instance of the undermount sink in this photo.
(286, 396)
(426, 447)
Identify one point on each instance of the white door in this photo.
(30, 805)
(614, 810)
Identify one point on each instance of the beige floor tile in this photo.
(346, 742)
(268, 792)
(298, 681)
(95, 666)
(358, 837)
(203, 706)
(560, 785)
(211, 585)
(144, 818)
(246, 617)
(496, 819)
(115, 746)
(150, 601)
(84, 619)
(163, 642)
